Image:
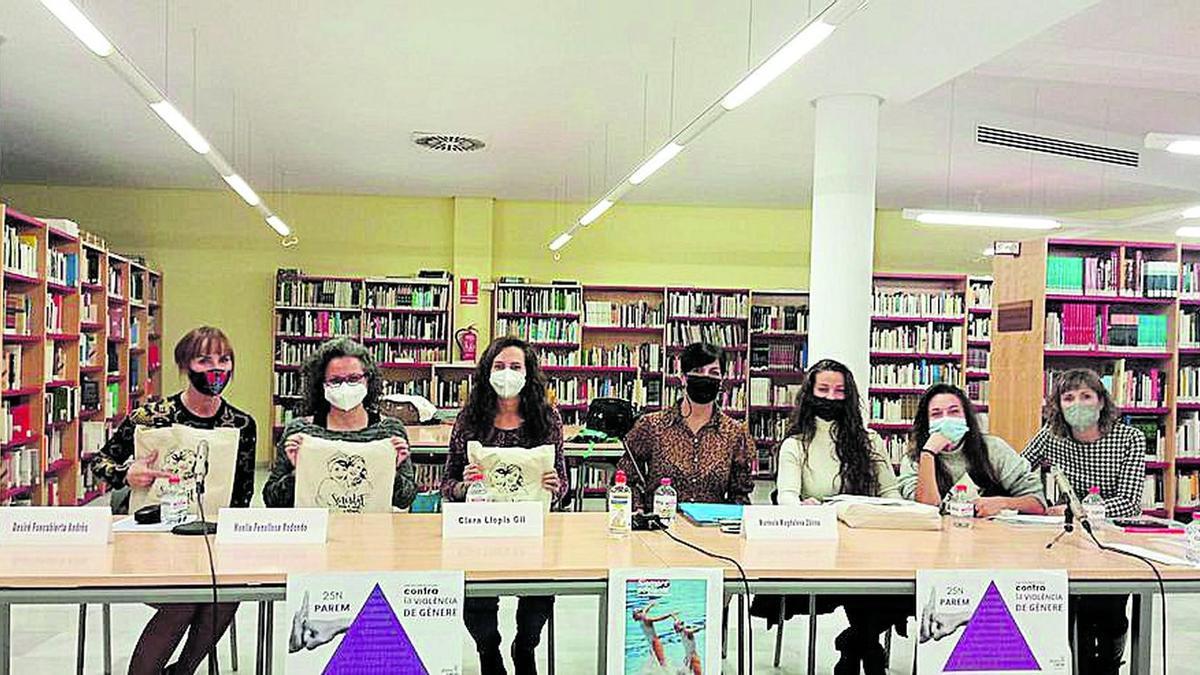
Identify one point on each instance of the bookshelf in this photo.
(56, 344)
(622, 341)
(1111, 306)
(778, 358)
(919, 325)
(406, 323)
(978, 357)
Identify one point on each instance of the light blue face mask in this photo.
(953, 428)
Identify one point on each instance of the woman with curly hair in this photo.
(829, 451)
(341, 389)
(507, 408)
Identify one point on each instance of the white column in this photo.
(843, 231)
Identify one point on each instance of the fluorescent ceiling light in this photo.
(77, 23)
(977, 219)
(595, 212)
(1188, 231)
(243, 189)
(179, 123)
(278, 225)
(785, 57)
(655, 163)
(560, 241)
(1193, 212)
(1180, 144)
(1184, 147)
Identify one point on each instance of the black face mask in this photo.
(703, 389)
(828, 409)
(210, 382)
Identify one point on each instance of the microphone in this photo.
(646, 491)
(1074, 506)
(200, 471)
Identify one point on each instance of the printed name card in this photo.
(492, 519)
(55, 525)
(790, 522)
(272, 526)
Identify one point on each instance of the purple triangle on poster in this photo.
(376, 643)
(992, 640)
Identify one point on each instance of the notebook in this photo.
(708, 515)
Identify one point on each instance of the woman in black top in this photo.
(205, 356)
(342, 386)
(507, 408)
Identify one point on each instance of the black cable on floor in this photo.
(1162, 588)
(745, 584)
(212, 570)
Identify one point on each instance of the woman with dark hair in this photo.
(1085, 440)
(205, 356)
(341, 389)
(829, 451)
(947, 449)
(507, 408)
(706, 453)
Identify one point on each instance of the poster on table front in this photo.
(992, 621)
(664, 621)
(408, 623)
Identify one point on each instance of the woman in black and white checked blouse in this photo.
(1086, 440)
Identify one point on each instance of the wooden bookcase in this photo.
(979, 341)
(1044, 326)
(778, 358)
(58, 309)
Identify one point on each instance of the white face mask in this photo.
(345, 396)
(507, 383)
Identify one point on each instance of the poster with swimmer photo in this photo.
(375, 622)
(992, 621)
(664, 621)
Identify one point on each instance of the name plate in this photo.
(272, 526)
(492, 519)
(790, 522)
(55, 525)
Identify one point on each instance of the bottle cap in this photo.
(665, 481)
(1093, 490)
(960, 488)
(173, 480)
(620, 478)
(1195, 515)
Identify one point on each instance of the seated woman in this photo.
(829, 451)
(507, 408)
(1085, 439)
(947, 448)
(341, 396)
(205, 357)
(706, 453)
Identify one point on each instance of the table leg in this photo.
(259, 634)
(602, 635)
(269, 647)
(812, 634)
(106, 628)
(1141, 633)
(5, 637)
(741, 610)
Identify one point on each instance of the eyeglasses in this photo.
(348, 379)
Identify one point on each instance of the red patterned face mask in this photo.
(210, 382)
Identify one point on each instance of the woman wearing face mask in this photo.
(829, 451)
(205, 357)
(706, 453)
(1085, 440)
(341, 393)
(507, 408)
(947, 449)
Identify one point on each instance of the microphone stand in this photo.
(201, 526)
(1068, 525)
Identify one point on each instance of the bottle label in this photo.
(957, 509)
(664, 508)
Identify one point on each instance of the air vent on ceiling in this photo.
(1055, 146)
(453, 143)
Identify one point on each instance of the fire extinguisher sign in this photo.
(468, 291)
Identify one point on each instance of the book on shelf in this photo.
(1087, 326)
(540, 329)
(1189, 327)
(979, 327)
(1189, 285)
(917, 303)
(137, 287)
(764, 393)
(979, 391)
(54, 313)
(921, 373)
(892, 408)
(1188, 384)
(89, 309)
(1187, 434)
(428, 476)
(980, 293)
(18, 310)
(135, 331)
(634, 314)
(115, 277)
(294, 353)
(135, 374)
(771, 426)
(646, 356)
(1143, 278)
(19, 423)
(581, 390)
(63, 225)
(55, 355)
(317, 323)
(1091, 275)
(317, 292)
(420, 387)
(23, 467)
(1187, 489)
(153, 356)
(112, 399)
(1152, 429)
(116, 322)
(779, 319)
(540, 300)
(926, 338)
(1135, 386)
(453, 393)
(405, 295)
(416, 326)
(390, 352)
(782, 357)
(1154, 493)
(61, 404)
(708, 304)
(287, 383)
(62, 267)
(12, 366)
(684, 333)
(93, 436)
(20, 251)
(89, 394)
(90, 267)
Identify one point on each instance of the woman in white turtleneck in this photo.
(829, 451)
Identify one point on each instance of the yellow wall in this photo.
(219, 259)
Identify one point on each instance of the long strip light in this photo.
(1188, 231)
(1179, 144)
(777, 62)
(91, 36)
(1189, 213)
(981, 219)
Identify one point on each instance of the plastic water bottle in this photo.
(960, 509)
(1093, 506)
(665, 500)
(1193, 539)
(477, 492)
(173, 505)
(620, 507)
